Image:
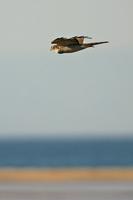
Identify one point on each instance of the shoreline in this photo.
(65, 174)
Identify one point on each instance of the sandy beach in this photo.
(68, 174)
(67, 184)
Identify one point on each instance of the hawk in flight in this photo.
(70, 45)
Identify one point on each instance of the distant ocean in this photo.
(44, 153)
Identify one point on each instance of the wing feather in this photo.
(76, 40)
(65, 41)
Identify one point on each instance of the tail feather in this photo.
(95, 43)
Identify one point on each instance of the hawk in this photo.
(71, 45)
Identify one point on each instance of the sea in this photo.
(64, 152)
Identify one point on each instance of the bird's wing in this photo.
(70, 41)
(80, 39)
(65, 41)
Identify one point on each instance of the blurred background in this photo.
(65, 111)
(86, 93)
(81, 99)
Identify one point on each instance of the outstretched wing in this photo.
(65, 41)
(69, 41)
(80, 39)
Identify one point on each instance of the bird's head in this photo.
(54, 48)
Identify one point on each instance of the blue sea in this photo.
(82, 152)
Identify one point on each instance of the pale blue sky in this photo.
(89, 92)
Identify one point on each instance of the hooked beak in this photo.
(51, 49)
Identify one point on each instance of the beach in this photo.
(66, 170)
(72, 184)
(65, 174)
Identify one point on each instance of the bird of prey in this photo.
(73, 44)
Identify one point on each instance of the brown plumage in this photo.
(70, 45)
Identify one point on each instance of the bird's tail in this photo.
(95, 43)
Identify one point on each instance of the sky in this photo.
(85, 93)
